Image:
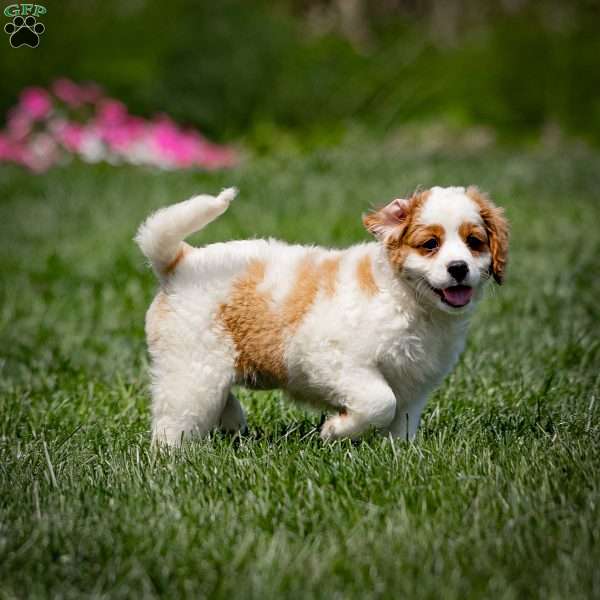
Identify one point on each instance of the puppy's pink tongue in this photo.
(458, 295)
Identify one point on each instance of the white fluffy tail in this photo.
(161, 235)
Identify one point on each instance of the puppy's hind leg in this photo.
(233, 418)
(187, 400)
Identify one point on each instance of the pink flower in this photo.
(75, 95)
(37, 137)
(216, 157)
(19, 123)
(70, 135)
(41, 153)
(9, 149)
(90, 93)
(212, 156)
(111, 112)
(180, 148)
(177, 148)
(36, 102)
(116, 127)
(121, 137)
(67, 91)
(166, 140)
(20, 153)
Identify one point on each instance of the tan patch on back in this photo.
(302, 294)
(255, 327)
(364, 274)
(329, 271)
(184, 250)
(259, 328)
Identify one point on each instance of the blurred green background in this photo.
(299, 72)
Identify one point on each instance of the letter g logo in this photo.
(12, 10)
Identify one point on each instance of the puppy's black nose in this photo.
(458, 269)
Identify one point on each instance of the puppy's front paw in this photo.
(332, 428)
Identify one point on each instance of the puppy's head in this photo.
(445, 242)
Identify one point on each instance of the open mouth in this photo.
(455, 295)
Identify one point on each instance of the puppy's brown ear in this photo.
(497, 230)
(389, 220)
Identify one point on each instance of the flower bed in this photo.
(49, 127)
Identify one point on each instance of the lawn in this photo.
(499, 496)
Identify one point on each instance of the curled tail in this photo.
(161, 235)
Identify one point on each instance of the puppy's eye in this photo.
(430, 244)
(474, 242)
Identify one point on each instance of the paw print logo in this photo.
(24, 32)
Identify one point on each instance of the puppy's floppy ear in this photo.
(389, 220)
(497, 230)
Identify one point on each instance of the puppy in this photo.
(367, 332)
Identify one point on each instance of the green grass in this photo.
(499, 496)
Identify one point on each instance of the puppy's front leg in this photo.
(367, 401)
(406, 422)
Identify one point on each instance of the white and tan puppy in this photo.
(367, 332)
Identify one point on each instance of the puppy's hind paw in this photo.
(233, 419)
